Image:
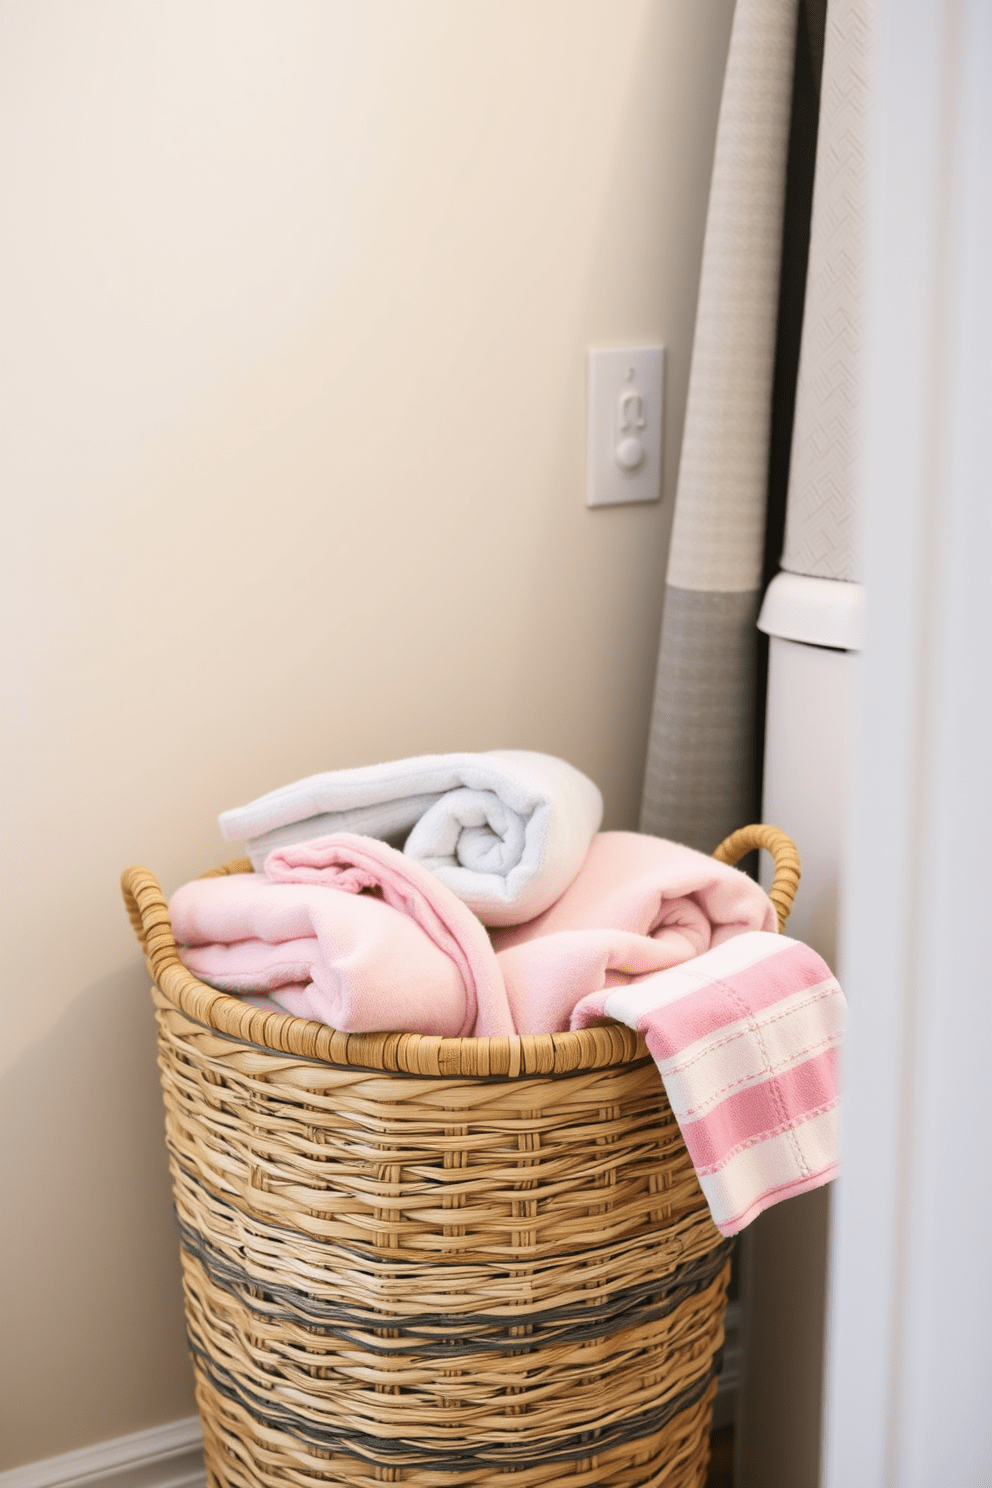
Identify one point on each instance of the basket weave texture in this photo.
(435, 1261)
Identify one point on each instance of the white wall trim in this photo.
(165, 1457)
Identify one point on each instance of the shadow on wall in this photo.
(103, 1235)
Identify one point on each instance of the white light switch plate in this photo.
(624, 415)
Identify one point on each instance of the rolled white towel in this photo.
(506, 830)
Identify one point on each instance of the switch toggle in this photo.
(629, 453)
(625, 413)
(630, 417)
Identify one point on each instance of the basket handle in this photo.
(782, 849)
(149, 913)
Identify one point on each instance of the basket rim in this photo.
(548, 1055)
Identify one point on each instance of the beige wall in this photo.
(295, 301)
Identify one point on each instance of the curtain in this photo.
(700, 776)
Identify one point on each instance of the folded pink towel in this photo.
(639, 905)
(745, 1037)
(349, 932)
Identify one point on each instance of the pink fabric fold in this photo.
(349, 932)
(639, 905)
(547, 976)
(354, 864)
(745, 1037)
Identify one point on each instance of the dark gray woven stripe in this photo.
(276, 1416)
(458, 1334)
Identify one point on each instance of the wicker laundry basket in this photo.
(435, 1261)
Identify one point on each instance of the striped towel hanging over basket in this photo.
(436, 1261)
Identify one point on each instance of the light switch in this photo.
(624, 412)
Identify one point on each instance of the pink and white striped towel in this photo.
(745, 1037)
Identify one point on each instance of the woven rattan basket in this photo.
(435, 1261)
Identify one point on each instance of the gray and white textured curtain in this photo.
(700, 768)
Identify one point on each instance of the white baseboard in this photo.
(164, 1457)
